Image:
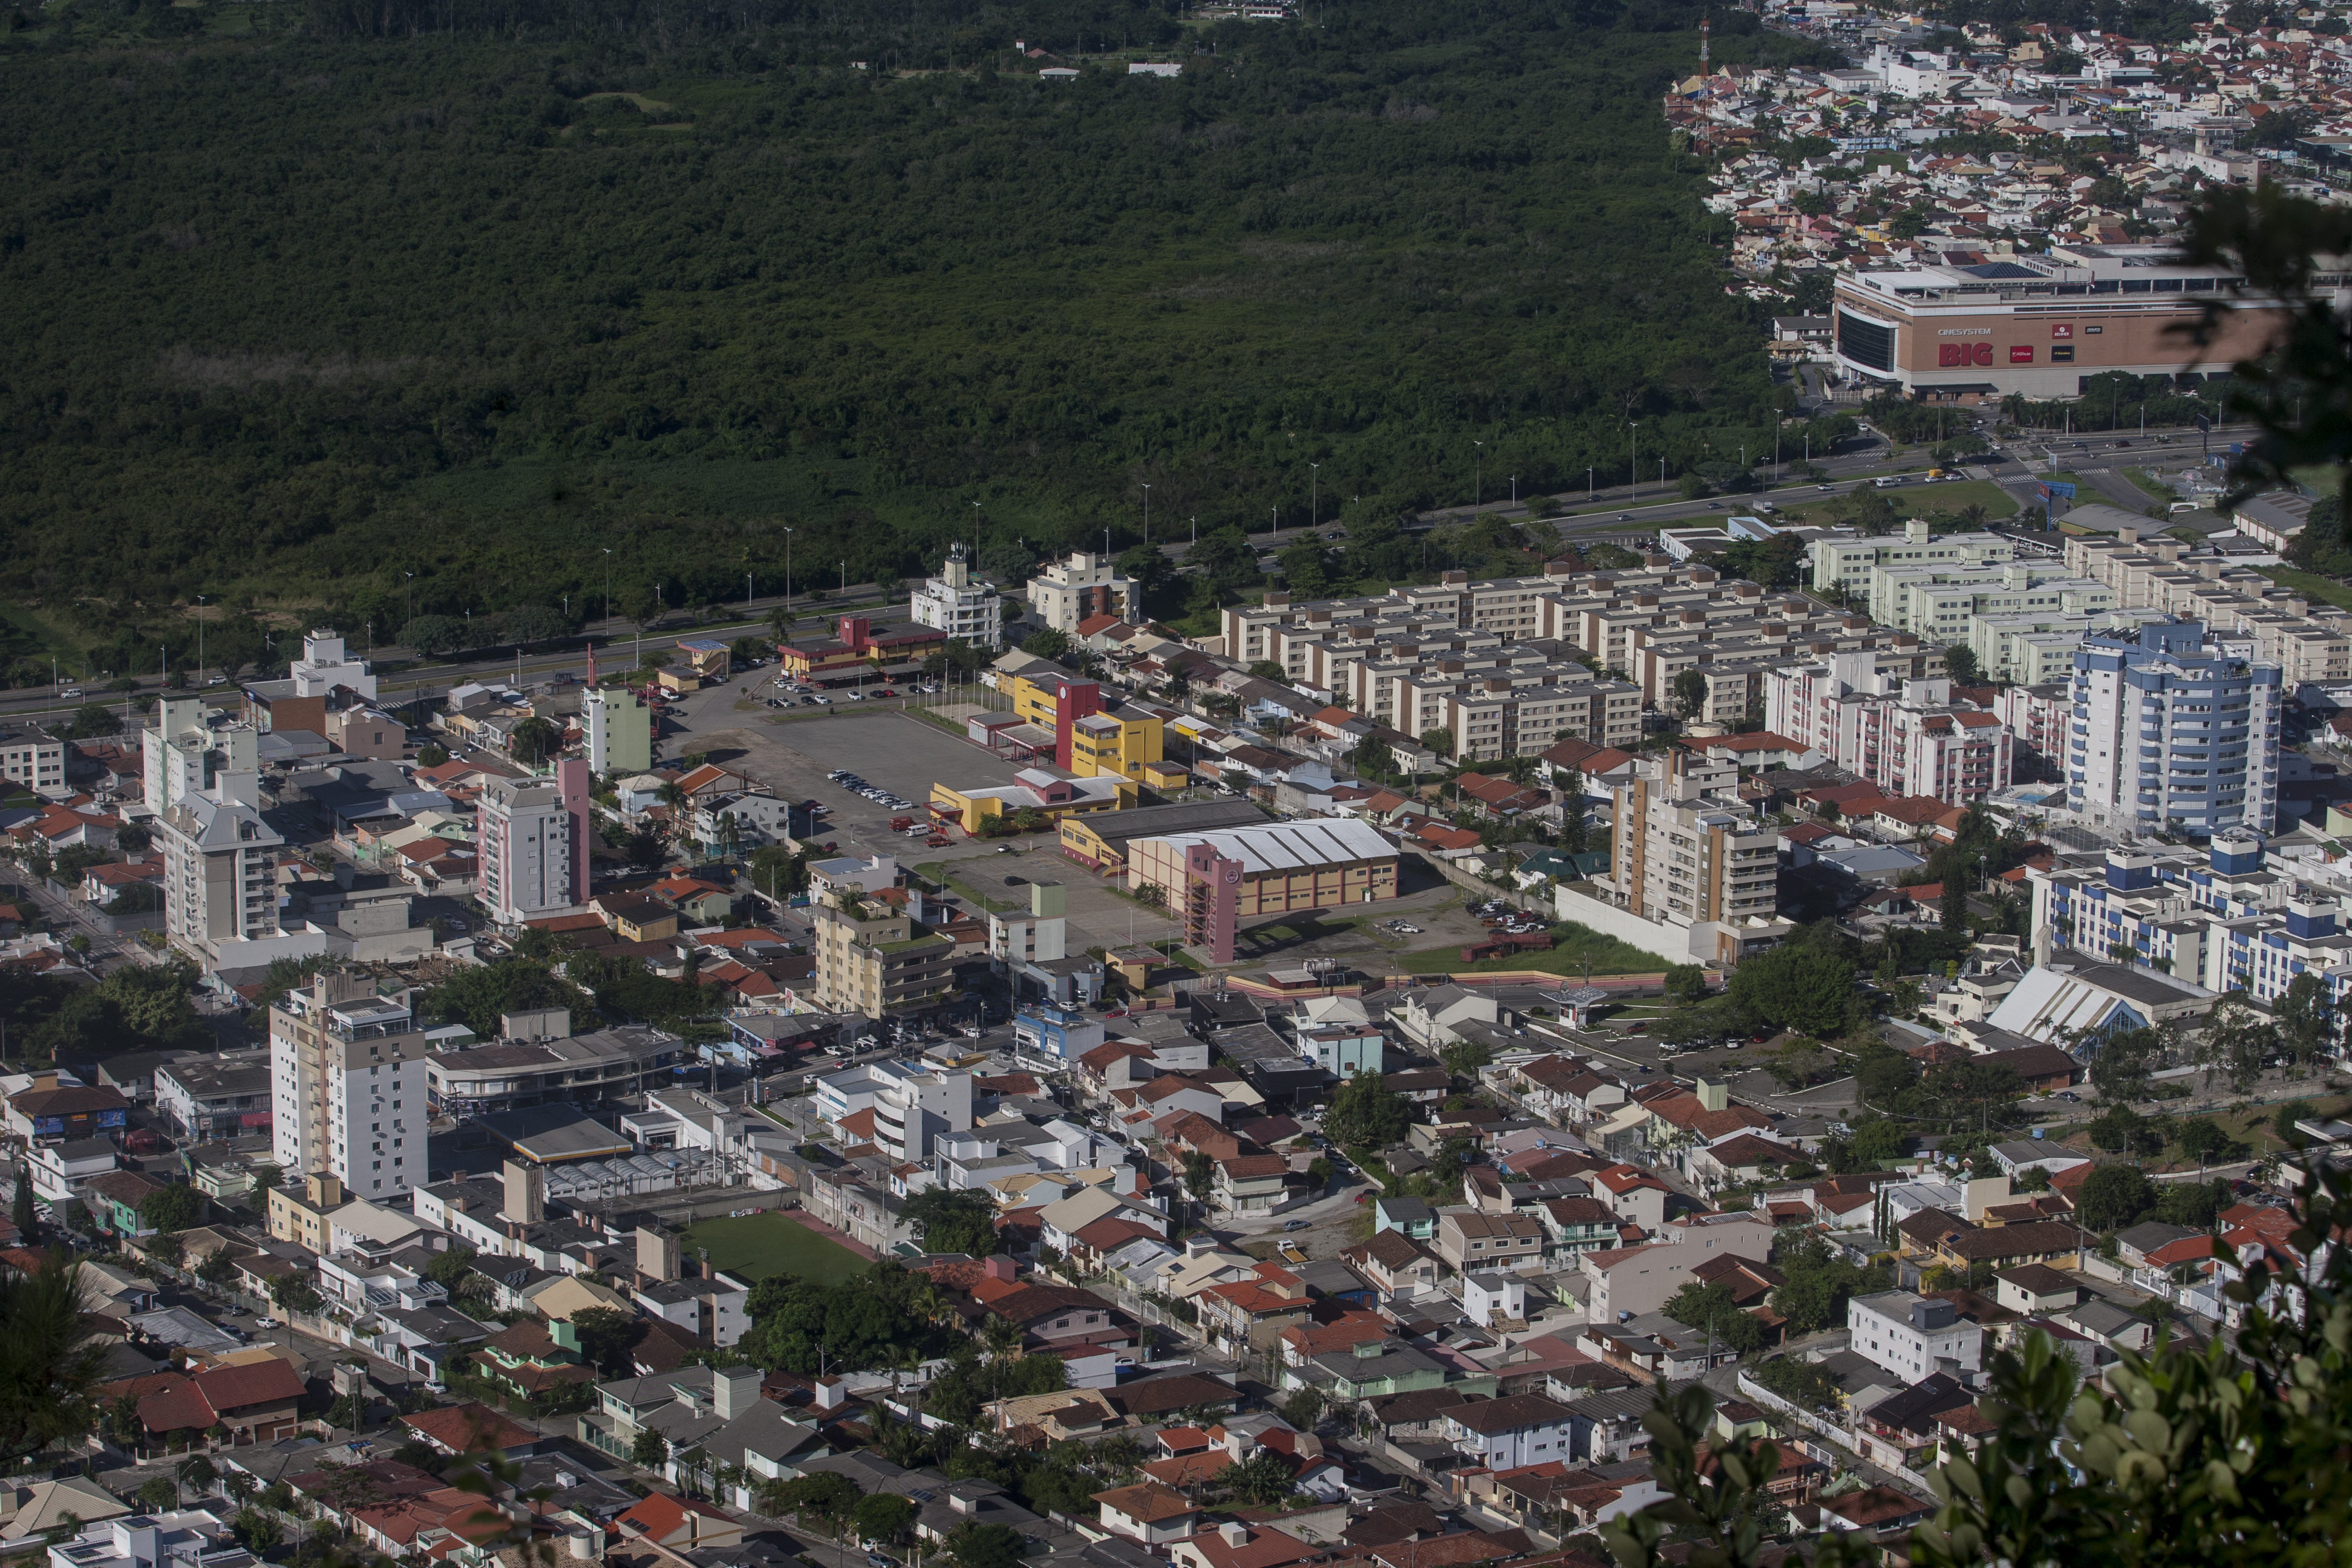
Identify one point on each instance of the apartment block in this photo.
(1938, 601)
(1068, 592)
(1907, 737)
(31, 756)
(2174, 731)
(957, 603)
(220, 895)
(534, 843)
(1684, 851)
(188, 749)
(1847, 562)
(348, 1090)
(619, 730)
(2309, 642)
(870, 959)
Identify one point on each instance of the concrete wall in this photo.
(1672, 944)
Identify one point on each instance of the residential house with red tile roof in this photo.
(256, 1402)
(471, 1428)
(680, 1524)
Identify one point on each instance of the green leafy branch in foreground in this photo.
(2186, 1454)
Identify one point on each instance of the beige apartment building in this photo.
(1681, 858)
(869, 960)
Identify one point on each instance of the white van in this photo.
(2180, 505)
(1886, 481)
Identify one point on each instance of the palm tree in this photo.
(1001, 1335)
(48, 1362)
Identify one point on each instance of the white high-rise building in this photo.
(533, 844)
(324, 666)
(2172, 733)
(183, 753)
(954, 603)
(347, 1086)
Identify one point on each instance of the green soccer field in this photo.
(757, 1245)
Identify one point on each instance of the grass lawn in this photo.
(2157, 489)
(2311, 586)
(757, 1245)
(1952, 497)
(1608, 956)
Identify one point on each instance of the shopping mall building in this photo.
(2041, 325)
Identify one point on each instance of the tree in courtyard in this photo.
(1262, 1479)
(1960, 661)
(953, 1221)
(1711, 1310)
(879, 1516)
(1364, 1112)
(1438, 741)
(1802, 988)
(1690, 693)
(1373, 758)
(2304, 1018)
(2238, 1040)
(157, 1495)
(649, 1451)
(606, 1337)
(2113, 1196)
(535, 739)
(978, 1545)
(174, 1208)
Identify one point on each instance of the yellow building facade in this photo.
(1123, 740)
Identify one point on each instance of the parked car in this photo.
(1295, 1223)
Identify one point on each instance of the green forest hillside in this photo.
(296, 312)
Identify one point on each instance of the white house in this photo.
(1912, 1336)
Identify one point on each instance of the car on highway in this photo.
(1825, 487)
(1624, 517)
(852, 696)
(70, 691)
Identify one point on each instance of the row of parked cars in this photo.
(874, 793)
(1508, 919)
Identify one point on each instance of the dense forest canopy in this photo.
(481, 290)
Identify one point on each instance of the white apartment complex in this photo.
(534, 843)
(1847, 562)
(1068, 592)
(348, 1092)
(324, 666)
(955, 602)
(182, 752)
(910, 1107)
(33, 757)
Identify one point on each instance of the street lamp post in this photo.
(412, 594)
(1147, 514)
(1634, 463)
(1315, 497)
(200, 642)
(1478, 494)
